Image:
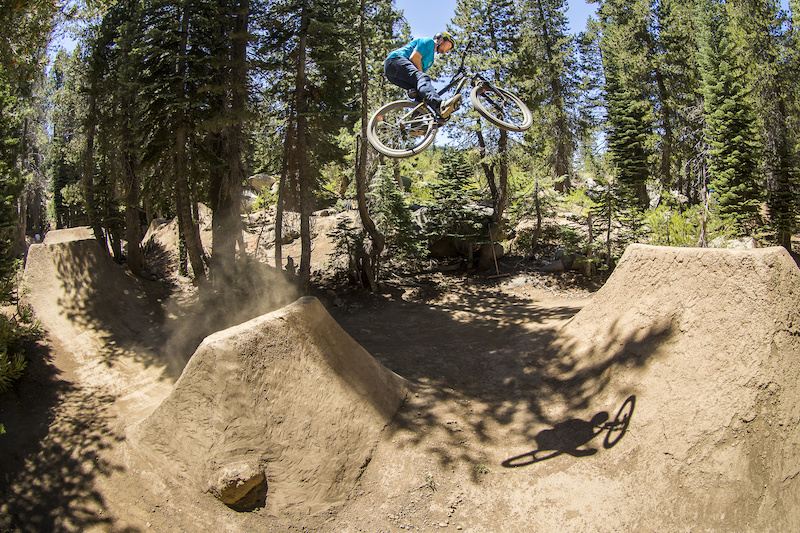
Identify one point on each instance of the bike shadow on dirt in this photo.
(573, 437)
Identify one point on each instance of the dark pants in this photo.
(403, 73)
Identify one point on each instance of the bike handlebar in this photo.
(454, 80)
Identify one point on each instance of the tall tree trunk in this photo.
(187, 225)
(133, 228)
(87, 181)
(502, 189)
(284, 184)
(227, 223)
(395, 167)
(488, 170)
(666, 139)
(377, 238)
(304, 177)
(537, 233)
(22, 201)
(499, 198)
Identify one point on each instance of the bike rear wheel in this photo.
(501, 107)
(402, 129)
(618, 426)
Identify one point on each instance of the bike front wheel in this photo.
(402, 129)
(501, 107)
(618, 426)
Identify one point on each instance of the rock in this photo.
(241, 486)
(579, 262)
(555, 266)
(734, 244)
(259, 182)
(445, 247)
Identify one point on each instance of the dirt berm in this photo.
(707, 342)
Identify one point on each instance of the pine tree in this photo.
(24, 30)
(113, 70)
(225, 140)
(590, 106)
(313, 36)
(492, 30)
(64, 105)
(673, 54)
(393, 216)
(454, 211)
(175, 73)
(625, 48)
(764, 33)
(731, 128)
(627, 140)
(10, 186)
(549, 64)
(607, 205)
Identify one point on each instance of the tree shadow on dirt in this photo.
(489, 369)
(53, 452)
(123, 312)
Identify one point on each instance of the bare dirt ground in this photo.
(501, 428)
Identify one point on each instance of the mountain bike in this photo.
(404, 128)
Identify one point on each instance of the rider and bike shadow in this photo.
(572, 437)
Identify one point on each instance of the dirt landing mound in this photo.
(100, 314)
(75, 287)
(708, 343)
(288, 394)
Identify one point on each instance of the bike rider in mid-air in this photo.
(406, 67)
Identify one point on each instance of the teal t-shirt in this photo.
(426, 48)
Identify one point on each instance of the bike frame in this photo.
(459, 80)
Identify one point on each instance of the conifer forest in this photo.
(665, 122)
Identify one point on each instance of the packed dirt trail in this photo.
(666, 401)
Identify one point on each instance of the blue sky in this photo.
(427, 17)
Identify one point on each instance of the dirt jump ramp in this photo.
(707, 344)
(283, 410)
(100, 314)
(75, 288)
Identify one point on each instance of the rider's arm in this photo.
(416, 58)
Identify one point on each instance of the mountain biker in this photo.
(406, 67)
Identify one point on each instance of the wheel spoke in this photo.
(403, 128)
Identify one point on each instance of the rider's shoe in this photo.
(449, 105)
(414, 95)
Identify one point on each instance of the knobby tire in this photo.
(501, 107)
(391, 129)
